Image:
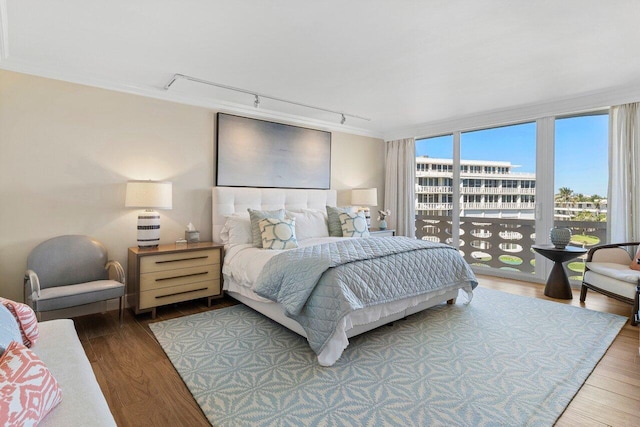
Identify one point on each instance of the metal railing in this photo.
(506, 243)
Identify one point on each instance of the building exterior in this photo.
(490, 189)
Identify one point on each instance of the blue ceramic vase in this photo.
(383, 224)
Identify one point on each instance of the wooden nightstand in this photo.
(376, 232)
(172, 273)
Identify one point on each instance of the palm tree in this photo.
(565, 195)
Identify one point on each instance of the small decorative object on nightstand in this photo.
(169, 274)
(382, 217)
(191, 234)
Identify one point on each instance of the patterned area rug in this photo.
(502, 360)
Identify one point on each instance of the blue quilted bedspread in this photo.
(318, 285)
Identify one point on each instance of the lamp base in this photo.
(148, 229)
(367, 215)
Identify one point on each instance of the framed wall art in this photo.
(258, 153)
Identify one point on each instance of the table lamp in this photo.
(365, 197)
(149, 195)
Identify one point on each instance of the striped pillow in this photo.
(26, 318)
(28, 391)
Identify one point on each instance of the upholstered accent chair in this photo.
(69, 271)
(608, 271)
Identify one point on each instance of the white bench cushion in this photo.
(83, 403)
(616, 278)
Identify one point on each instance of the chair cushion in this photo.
(79, 294)
(616, 278)
(618, 255)
(615, 271)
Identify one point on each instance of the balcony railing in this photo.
(447, 189)
(475, 174)
(434, 189)
(506, 243)
(434, 206)
(497, 190)
(501, 205)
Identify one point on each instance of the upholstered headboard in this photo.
(229, 200)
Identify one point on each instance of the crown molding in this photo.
(580, 103)
(4, 31)
(158, 92)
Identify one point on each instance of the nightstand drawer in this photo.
(149, 264)
(173, 294)
(180, 276)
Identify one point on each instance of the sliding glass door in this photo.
(581, 181)
(488, 191)
(498, 175)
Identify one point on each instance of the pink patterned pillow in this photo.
(26, 319)
(28, 391)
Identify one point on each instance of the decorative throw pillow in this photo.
(237, 230)
(354, 225)
(9, 329)
(27, 320)
(309, 224)
(278, 233)
(28, 391)
(255, 217)
(634, 262)
(333, 214)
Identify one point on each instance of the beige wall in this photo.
(67, 150)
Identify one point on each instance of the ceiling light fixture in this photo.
(256, 102)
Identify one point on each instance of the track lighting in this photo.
(256, 101)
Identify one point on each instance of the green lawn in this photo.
(577, 266)
(584, 239)
(510, 259)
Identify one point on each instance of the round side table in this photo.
(557, 282)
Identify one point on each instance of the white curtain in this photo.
(400, 186)
(623, 201)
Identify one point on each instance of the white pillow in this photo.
(310, 223)
(278, 233)
(354, 225)
(236, 230)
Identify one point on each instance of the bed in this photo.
(244, 265)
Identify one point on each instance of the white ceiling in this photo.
(403, 64)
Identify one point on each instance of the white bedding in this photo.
(243, 264)
(242, 267)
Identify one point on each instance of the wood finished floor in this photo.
(143, 389)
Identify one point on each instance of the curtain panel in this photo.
(400, 186)
(623, 199)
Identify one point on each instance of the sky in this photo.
(581, 153)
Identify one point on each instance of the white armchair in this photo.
(608, 271)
